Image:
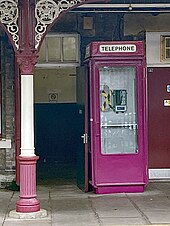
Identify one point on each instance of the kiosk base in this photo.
(119, 189)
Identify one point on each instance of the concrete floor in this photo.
(69, 206)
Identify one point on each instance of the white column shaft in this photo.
(27, 116)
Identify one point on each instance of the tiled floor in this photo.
(69, 206)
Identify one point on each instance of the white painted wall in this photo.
(150, 26)
(56, 80)
(153, 49)
(134, 23)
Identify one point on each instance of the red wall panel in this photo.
(159, 117)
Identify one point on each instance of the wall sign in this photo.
(53, 97)
(168, 88)
(167, 103)
(126, 48)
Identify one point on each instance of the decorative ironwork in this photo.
(46, 12)
(27, 61)
(9, 17)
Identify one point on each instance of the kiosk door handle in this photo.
(85, 138)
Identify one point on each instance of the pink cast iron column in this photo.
(28, 199)
(27, 159)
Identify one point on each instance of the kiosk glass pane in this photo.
(118, 110)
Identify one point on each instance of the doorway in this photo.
(56, 124)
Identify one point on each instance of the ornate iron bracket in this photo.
(46, 11)
(27, 60)
(9, 18)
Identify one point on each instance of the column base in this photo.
(28, 205)
(33, 215)
(28, 201)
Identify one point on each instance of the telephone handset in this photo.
(113, 100)
(120, 100)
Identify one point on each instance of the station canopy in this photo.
(126, 6)
(140, 1)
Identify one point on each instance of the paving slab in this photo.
(152, 205)
(111, 200)
(119, 212)
(77, 223)
(158, 217)
(13, 222)
(70, 204)
(74, 218)
(2, 219)
(66, 191)
(122, 221)
(114, 207)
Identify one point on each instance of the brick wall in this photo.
(7, 155)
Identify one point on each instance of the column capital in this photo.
(26, 61)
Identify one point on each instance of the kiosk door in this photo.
(119, 162)
(83, 127)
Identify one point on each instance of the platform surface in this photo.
(68, 206)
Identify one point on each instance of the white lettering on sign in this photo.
(167, 103)
(118, 48)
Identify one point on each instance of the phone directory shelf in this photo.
(120, 125)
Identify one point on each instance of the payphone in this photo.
(119, 100)
(118, 130)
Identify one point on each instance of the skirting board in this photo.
(159, 173)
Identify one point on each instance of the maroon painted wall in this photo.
(159, 117)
